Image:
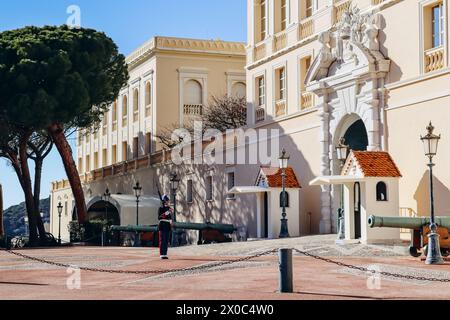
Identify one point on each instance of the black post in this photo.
(286, 283)
(59, 229)
(137, 240)
(174, 231)
(431, 165)
(284, 232)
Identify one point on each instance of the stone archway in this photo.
(348, 79)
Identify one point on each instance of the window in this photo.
(148, 99)
(124, 151)
(193, 93)
(189, 191)
(80, 137)
(438, 25)
(105, 124)
(283, 14)
(105, 157)
(309, 8)
(148, 143)
(282, 83)
(95, 160)
(114, 154)
(209, 188)
(263, 19)
(124, 111)
(382, 191)
(66, 208)
(114, 116)
(88, 163)
(136, 148)
(136, 105)
(238, 90)
(261, 91)
(80, 165)
(284, 199)
(231, 184)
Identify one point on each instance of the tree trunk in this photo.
(2, 228)
(37, 194)
(56, 132)
(27, 188)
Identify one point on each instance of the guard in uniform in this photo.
(165, 226)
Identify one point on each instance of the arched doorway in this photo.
(356, 136)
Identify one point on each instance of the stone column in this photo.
(325, 197)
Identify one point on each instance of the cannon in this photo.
(421, 229)
(208, 232)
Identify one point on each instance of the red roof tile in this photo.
(274, 177)
(375, 164)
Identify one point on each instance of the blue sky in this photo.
(129, 23)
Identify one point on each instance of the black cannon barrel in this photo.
(225, 228)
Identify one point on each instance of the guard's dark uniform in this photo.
(165, 227)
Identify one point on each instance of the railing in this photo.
(280, 108)
(306, 100)
(405, 234)
(280, 41)
(340, 6)
(260, 52)
(306, 28)
(260, 114)
(193, 109)
(434, 59)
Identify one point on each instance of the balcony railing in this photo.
(280, 108)
(260, 115)
(260, 52)
(193, 110)
(434, 59)
(280, 41)
(306, 28)
(307, 100)
(340, 6)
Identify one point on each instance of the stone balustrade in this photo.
(434, 59)
(260, 52)
(307, 100)
(193, 110)
(260, 115)
(306, 28)
(280, 41)
(280, 108)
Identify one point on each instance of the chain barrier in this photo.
(230, 262)
(362, 269)
(146, 272)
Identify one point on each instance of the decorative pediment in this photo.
(353, 49)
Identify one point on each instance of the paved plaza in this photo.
(254, 279)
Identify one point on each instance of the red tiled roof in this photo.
(376, 164)
(274, 177)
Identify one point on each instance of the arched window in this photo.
(136, 105)
(124, 110)
(148, 94)
(238, 90)
(286, 199)
(382, 191)
(193, 93)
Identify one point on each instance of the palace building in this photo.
(374, 72)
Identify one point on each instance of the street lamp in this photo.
(27, 233)
(283, 161)
(106, 197)
(342, 152)
(137, 192)
(60, 210)
(174, 184)
(430, 143)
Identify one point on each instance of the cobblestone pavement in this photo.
(323, 245)
(252, 280)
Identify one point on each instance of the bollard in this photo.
(286, 273)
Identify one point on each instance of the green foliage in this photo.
(58, 75)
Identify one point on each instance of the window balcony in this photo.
(260, 114)
(280, 41)
(114, 126)
(193, 110)
(306, 28)
(260, 51)
(306, 100)
(124, 121)
(434, 59)
(280, 108)
(340, 6)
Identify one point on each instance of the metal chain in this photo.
(145, 272)
(384, 273)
